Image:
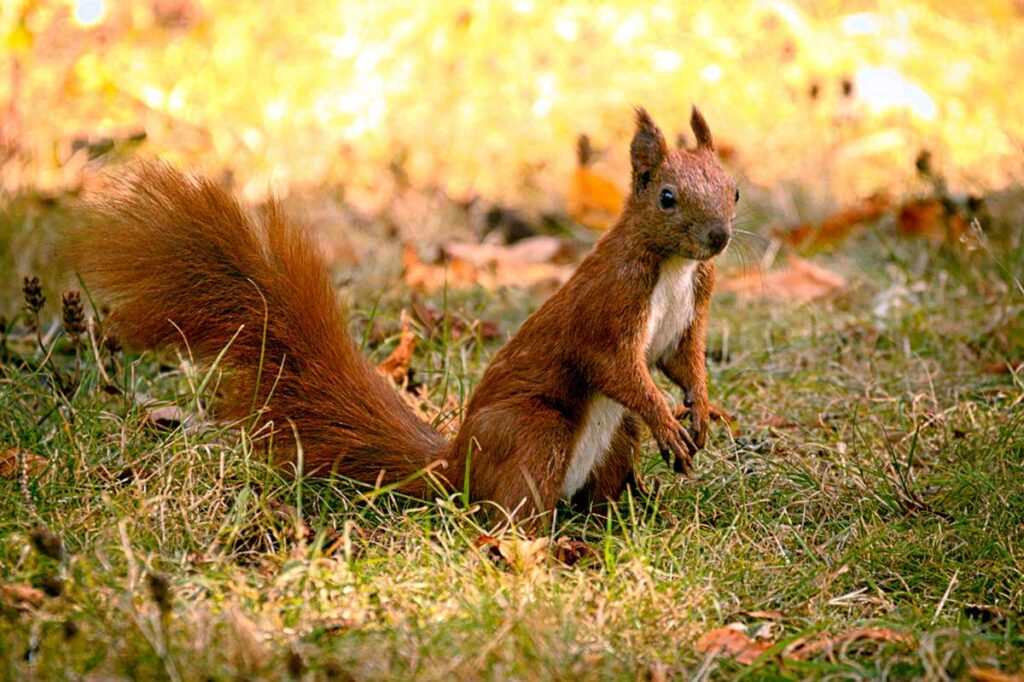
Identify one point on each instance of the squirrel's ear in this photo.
(701, 130)
(647, 151)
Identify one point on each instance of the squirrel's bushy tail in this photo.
(183, 265)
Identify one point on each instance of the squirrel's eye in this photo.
(668, 199)
(737, 196)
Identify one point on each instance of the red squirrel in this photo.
(559, 410)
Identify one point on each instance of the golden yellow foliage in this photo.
(487, 98)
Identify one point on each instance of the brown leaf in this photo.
(515, 553)
(22, 596)
(776, 421)
(524, 264)
(164, 418)
(993, 675)
(593, 200)
(838, 226)
(396, 366)
(1005, 367)
(931, 219)
(799, 280)
(570, 552)
(523, 554)
(426, 277)
(537, 249)
(807, 648)
(732, 641)
(13, 459)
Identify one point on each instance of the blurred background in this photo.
(429, 118)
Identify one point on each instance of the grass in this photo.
(875, 477)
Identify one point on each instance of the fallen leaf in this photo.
(803, 649)
(526, 263)
(22, 597)
(516, 553)
(799, 280)
(537, 249)
(732, 641)
(593, 200)
(1004, 367)
(839, 225)
(931, 219)
(993, 675)
(14, 460)
(396, 366)
(570, 552)
(165, 417)
(426, 277)
(523, 554)
(777, 422)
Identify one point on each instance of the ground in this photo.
(861, 517)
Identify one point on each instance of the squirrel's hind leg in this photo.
(521, 462)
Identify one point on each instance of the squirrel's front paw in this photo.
(698, 430)
(677, 446)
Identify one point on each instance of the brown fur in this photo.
(167, 248)
(183, 266)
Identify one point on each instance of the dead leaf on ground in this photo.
(396, 366)
(993, 675)
(931, 219)
(524, 554)
(593, 200)
(13, 460)
(839, 225)
(570, 552)
(526, 263)
(22, 597)
(778, 422)
(536, 249)
(1004, 367)
(798, 281)
(732, 641)
(806, 648)
(164, 418)
(515, 553)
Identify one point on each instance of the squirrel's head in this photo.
(682, 200)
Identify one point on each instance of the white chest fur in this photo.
(669, 313)
(671, 308)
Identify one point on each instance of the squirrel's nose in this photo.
(718, 237)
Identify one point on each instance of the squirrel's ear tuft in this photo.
(648, 149)
(701, 130)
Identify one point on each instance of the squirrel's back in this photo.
(184, 266)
